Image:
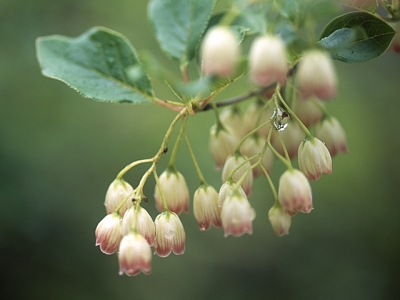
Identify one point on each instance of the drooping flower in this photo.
(205, 207)
(223, 141)
(308, 111)
(144, 223)
(108, 233)
(280, 220)
(134, 255)
(267, 60)
(170, 235)
(175, 190)
(237, 215)
(292, 136)
(220, 52)
(254, 145)
(316, 76)
(117, 192)
(234, 161)
(233, 117)
(330, 132)
(314, 159)
(294, 192)
(226, 190)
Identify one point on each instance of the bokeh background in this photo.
(59, 152)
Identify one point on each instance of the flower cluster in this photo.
(245, 145)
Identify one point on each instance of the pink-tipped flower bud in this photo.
(143, 221)
(118, 191)
(292, 136)
(237, 215)
(314, 159)
(316, 76)
(330, 132)
(256, 115)
(226, 190)
(254, 145)
(267, 59)
(205, 207)
(294, 192)
(175, 190)
(233, 162)
(233, 117)
(108, 233)
(395, 45)
(134, 255)
(220, 52)
(170, 235)
(308, 111)
(280, 220)
(223, 141)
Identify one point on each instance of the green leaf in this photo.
(97, 64)
(368, 37)
(179, 25)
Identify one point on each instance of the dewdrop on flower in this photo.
(220, 52)
(316, 76)
(267, 60)
(170, 235)
(175, 190)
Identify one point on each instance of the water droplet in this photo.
(203, 226)
(281, 118)
(169, 234)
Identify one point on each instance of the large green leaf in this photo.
(370, 38)
(96, 64)
(179, 25)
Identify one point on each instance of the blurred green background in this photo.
(59, 152)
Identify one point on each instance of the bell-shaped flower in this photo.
(175, 190)
(267, 60)
(219, 51)
(140, 218)
(205, 207)
(170, 235)
(108, 233)
(280, 220)
(237, 215)
(316, 76)
(223, 141)
(254, 145)
(308, 111)
(117, 192)
(233, 162)
(330, 132)
(292, 136)
(256, 115)
(314, 158)
(134, 255)
(294, 192)
(226, 190)
(233, 117)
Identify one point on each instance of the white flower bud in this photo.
(144, 223)
(232, 163)
(314, 159)
(220, 52)
(267, 60)
(332, 134)
(223, 141)
(117, 192)
(134, 255)
(280, 220)
(316, 76)
(205, 207)
(170, 235)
